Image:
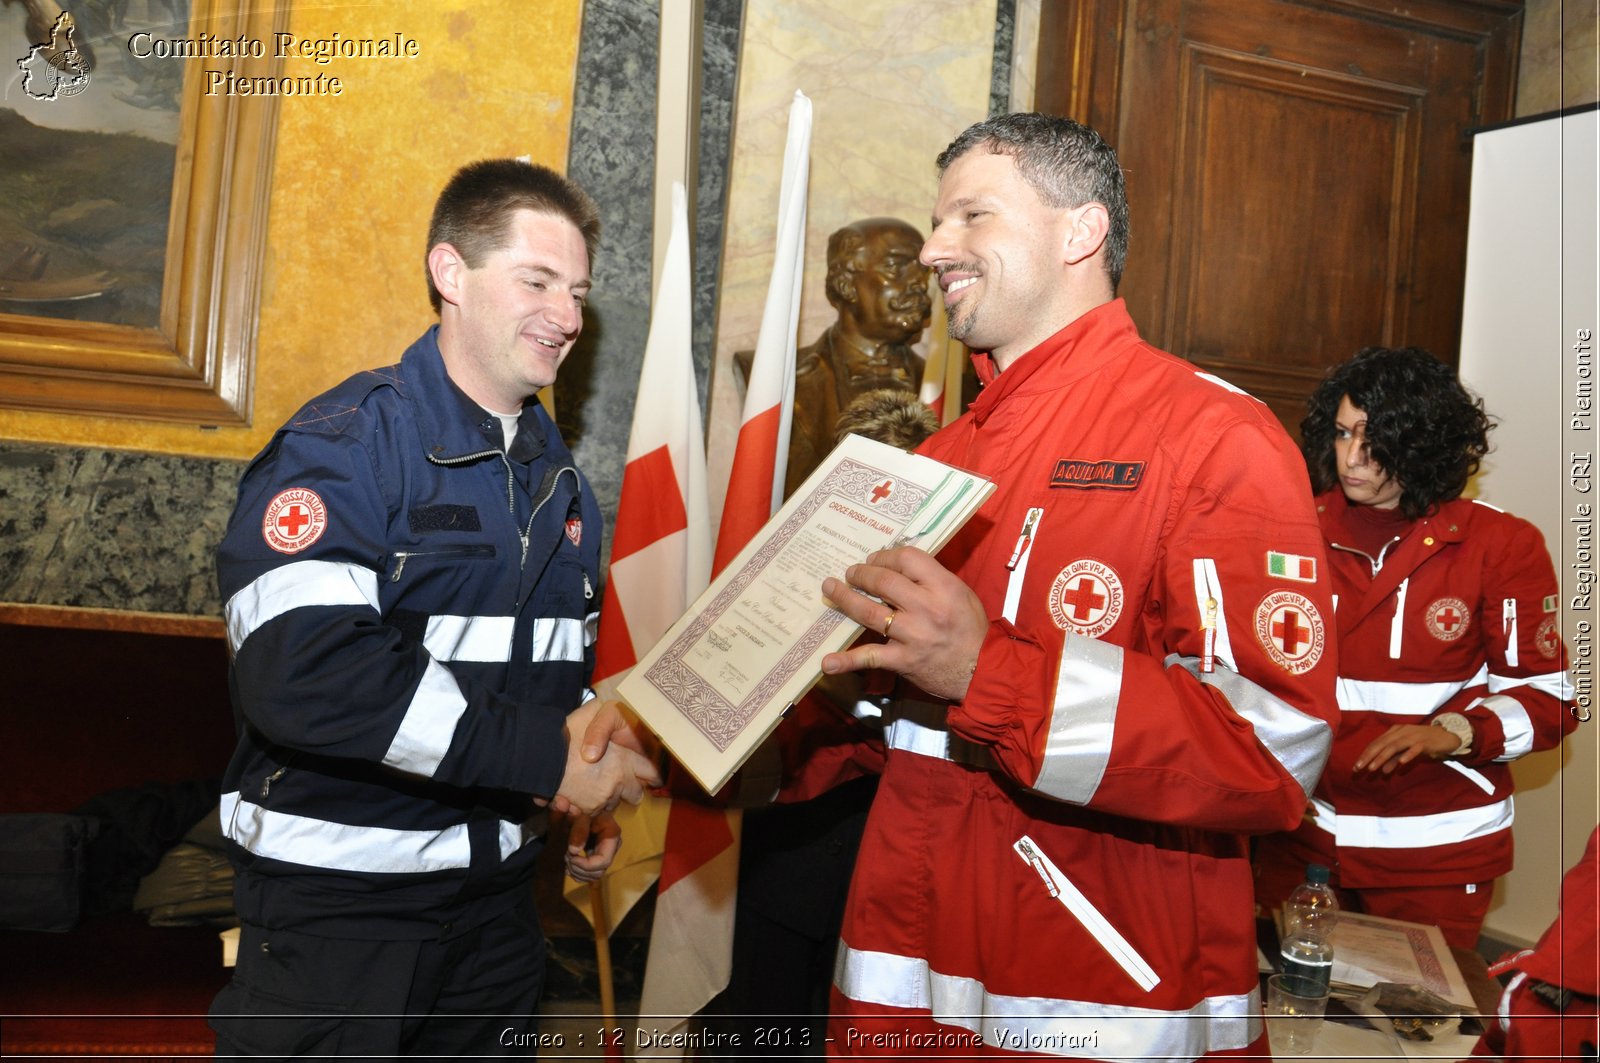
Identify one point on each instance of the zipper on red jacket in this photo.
(1087, 915)
(1375, 562)
(1018, 563)
(1508, 628)
(1396, 623)
(1213, 621)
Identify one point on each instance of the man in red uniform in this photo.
(1121, 664)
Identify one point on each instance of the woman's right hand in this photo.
(1403, 743)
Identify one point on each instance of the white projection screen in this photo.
(1527, 347)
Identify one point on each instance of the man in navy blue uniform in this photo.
(410, 577)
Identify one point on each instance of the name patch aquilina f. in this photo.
(1097, 474)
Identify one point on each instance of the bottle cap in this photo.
(1317, 874)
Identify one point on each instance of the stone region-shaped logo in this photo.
(55, 69)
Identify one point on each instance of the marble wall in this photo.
(1559, 50)
(106, 529)
(1001, 74)
(613, 140)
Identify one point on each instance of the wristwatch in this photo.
(1459, 726)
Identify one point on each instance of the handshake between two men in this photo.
(610, 763)
(934, 644)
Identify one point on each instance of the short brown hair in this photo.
(1065, 162)
(473, 213)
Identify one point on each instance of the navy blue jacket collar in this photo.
(451, 425)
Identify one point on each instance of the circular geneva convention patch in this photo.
(1448, 619)
(1086, 598)
(1289, 628)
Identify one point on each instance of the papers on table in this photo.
(1368, 949)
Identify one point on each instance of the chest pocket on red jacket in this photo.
(1069, 566)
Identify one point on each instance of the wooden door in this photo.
(1298, 170)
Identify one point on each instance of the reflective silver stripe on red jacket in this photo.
(1083, 716)
(1297, 740)
(1514, 724)
(1050, 1025)
(1413, 832)
(1403, 699)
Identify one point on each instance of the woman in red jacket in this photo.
(1451, 663)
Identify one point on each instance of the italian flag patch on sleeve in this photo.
(1297, 567)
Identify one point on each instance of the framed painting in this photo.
(135, 167)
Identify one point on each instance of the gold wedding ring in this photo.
(887, 624)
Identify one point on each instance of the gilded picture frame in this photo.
(195, 366)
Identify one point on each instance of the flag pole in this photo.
(602, 956)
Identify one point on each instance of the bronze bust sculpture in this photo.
(880, 291)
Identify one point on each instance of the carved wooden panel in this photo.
(1298, 170)
(1353, 209)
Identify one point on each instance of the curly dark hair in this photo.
(1424, 428)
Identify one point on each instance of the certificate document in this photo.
(721, 678)
(1368, 949)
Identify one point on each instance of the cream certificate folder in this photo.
(1368, 949)
(721, 678)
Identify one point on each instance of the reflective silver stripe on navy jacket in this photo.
(401, 682)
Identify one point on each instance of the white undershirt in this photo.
(508, 425)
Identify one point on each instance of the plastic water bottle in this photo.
(1308, 918)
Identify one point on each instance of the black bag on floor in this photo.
(42, 861)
